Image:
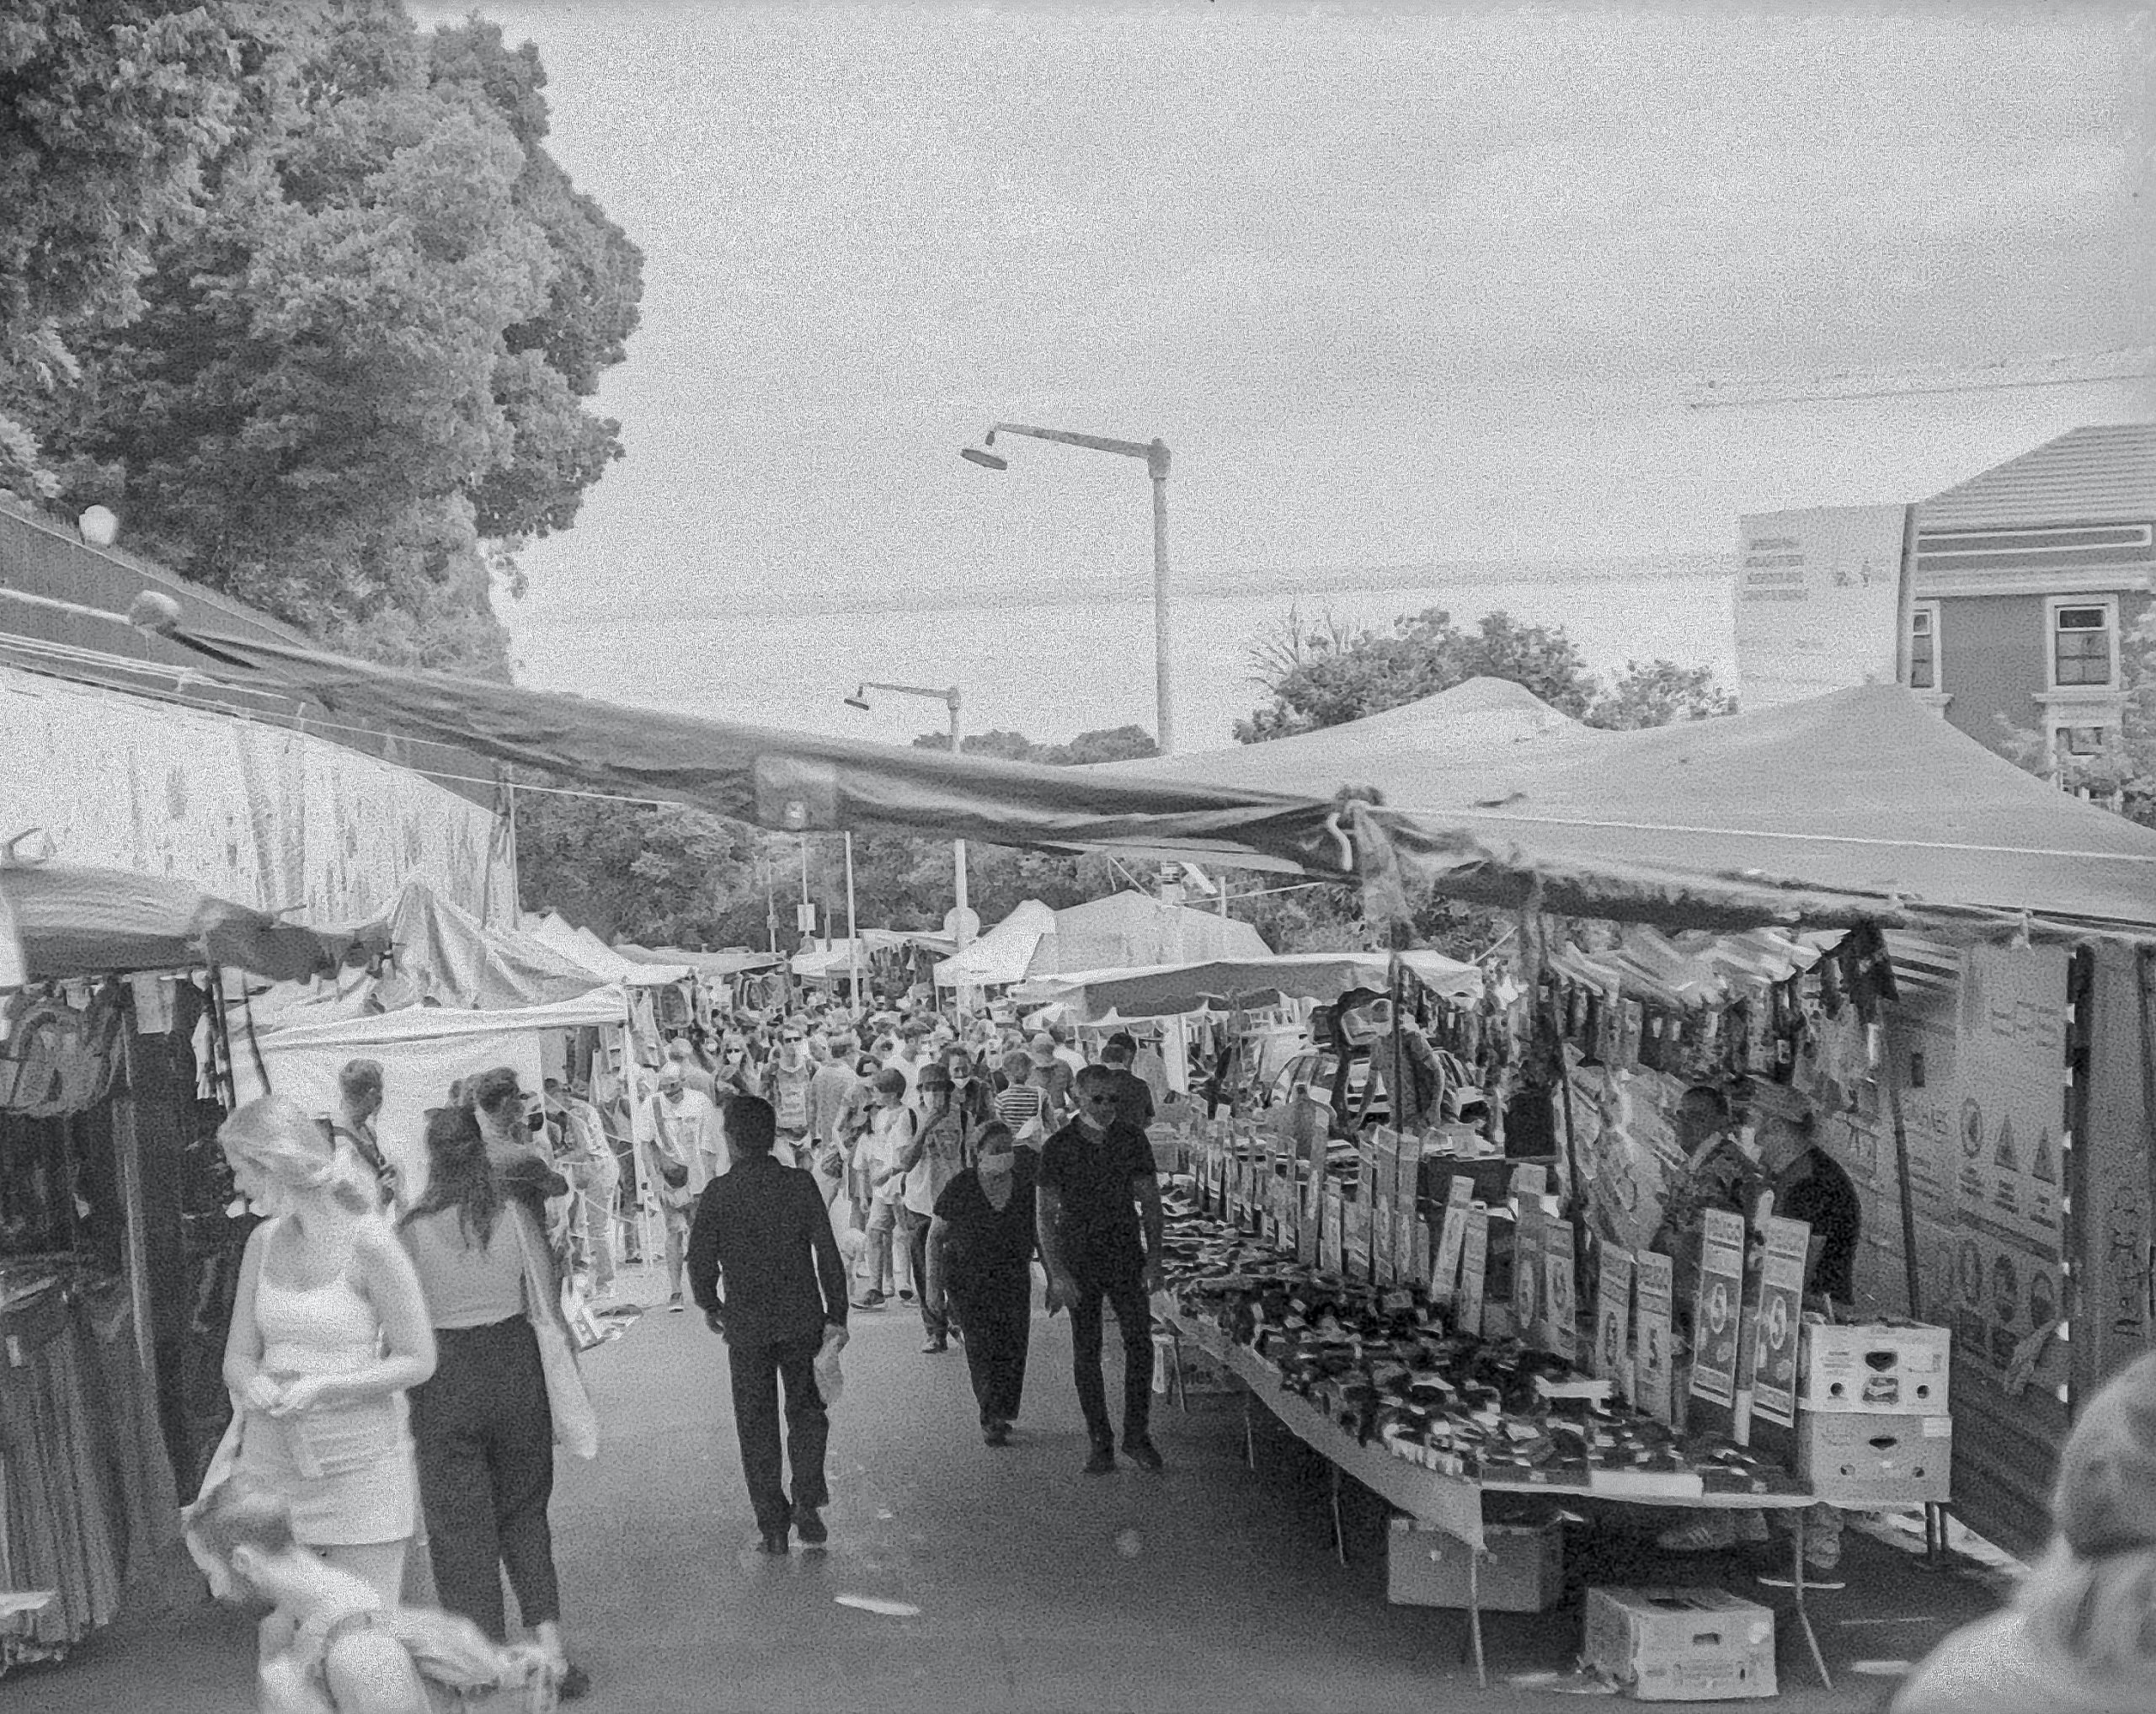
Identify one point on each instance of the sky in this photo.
(1399, 286)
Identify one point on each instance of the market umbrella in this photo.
(59, 921)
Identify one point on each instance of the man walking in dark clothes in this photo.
(762, 1232)
(1095, 1174)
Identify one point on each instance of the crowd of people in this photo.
(402, 1368)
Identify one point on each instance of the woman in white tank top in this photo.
(329, 1330)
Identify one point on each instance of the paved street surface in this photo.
(1038, 1588)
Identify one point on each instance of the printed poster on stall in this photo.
(1560, 1301)
(1717, 1307)
(1329, 1244)
(1444, 1277)
(1474, 1270)
(1613, 1319)
(1652, 1389)
(1776, 1320)
(1527, 1271)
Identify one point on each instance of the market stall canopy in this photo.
(1860, 805)
(1231, 984)
(582, 946)
(442, 955)
(792, 781)
(602, 1006)
(58, 920)
(711, 965)
(1004, 954)
(1129, 928)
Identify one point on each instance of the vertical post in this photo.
(1156, 465)
(127, 1151)
(852, 932)
(806, 903)
(958, 846)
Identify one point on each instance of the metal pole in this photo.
(958, 846)
(853, 930)
(808, 907)
(1156, 464)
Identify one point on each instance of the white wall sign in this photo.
(1818, 602)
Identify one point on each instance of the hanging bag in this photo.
(576, 1425)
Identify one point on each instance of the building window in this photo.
(1923, 647)
(2083, 638)
(2082, 740)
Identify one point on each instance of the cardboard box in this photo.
(1525, 1572)
(1878, 1367)
(1875, 1459)
(1671, 1645)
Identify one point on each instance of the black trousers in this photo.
(997, 1312)
(485, 1442)
(915, 1227)
(1133, 1314)
(757, 1369)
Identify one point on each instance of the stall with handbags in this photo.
(116, 1258)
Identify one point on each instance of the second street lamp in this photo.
(949, 697)
(1154, 452)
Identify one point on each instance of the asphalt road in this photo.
(1033, 1587)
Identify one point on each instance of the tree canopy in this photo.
(336, 312)
(1327, 673)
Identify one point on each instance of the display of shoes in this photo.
(1102, 1461)
(1143, 1453)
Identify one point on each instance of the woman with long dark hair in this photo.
(483, 1426)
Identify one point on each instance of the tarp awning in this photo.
(1856, 806)
(59, 921)
(444, 956)
(1004, 954)
(1238, 983)
(431, 1023)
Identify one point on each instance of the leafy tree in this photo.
(2121, 776)
(351, 380)
(1105, 743)
(1659, 693)
(108, 110)
(660, 876)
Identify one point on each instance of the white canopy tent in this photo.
(1005, 953)
(586, 948)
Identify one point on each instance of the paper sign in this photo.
(1444, 1276)
(1775, 1320)
(1651, 1368)
(1329, 1238)
(1528, 1186)
(1613, 1319)
(1474, 1266)
(1717, 1307)
(1560, 1301)
(1527, 1271)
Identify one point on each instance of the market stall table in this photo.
(1453, 1504)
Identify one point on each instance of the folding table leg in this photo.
(1339, 1536)
(1475, 1616)
(1250, 1434)
(1803, 1606)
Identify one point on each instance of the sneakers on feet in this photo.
(935, 1345)
(674, 1305)
(1711, 1533)
(772, 1541)
(997, 1433)
(906, 1295)
(1102, 1462)
(576, 1684)
(1750, 1529)
(1143, 1453)
(808, 1525)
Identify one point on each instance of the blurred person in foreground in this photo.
(2080, 1636)
(483, 1424)
(980, 1251)
(349, 1649)
(766, 1273)
(328, 1332)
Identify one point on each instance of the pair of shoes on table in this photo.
(675, 1305)
(936, 1343)
(995, 1433)
(1102, 1461)
(808, 1525)
(1143, 1453)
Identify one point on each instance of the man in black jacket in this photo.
(762, 1228)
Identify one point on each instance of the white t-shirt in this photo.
(890, 1130)
(686, 1133)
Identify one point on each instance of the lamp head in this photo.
(987, 460)
(859, 699)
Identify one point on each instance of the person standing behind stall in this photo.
(359, 1099)
(761, 1232)
(483, 1424)
(1095, 1174)
(980, 1249)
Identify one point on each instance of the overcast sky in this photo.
(1397, 284)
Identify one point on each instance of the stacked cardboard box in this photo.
(1873, 1426)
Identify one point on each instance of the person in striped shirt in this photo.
(1021, 1105)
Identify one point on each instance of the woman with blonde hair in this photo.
(328, 1331)
(2080, 1636)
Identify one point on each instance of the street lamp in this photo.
(949, 698)
(1154, 452)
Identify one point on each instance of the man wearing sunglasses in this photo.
(1096, 1175)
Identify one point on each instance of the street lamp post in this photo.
(950, 698)
(1154, 452)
